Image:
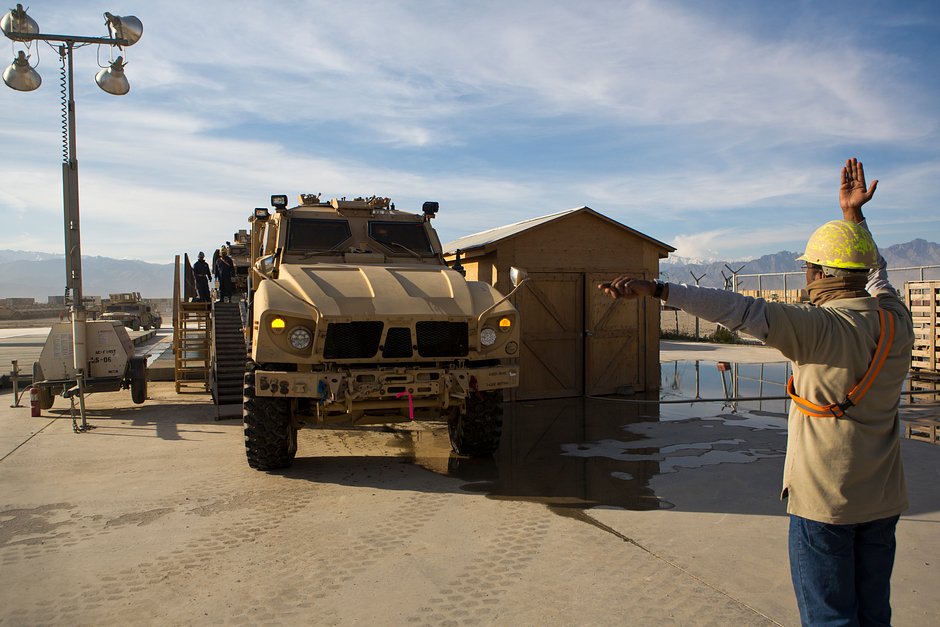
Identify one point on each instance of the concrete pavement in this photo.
(594, 512)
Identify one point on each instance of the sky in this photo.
(718, 127)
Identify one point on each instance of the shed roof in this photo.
(485, 239)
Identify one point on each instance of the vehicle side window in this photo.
(411, 235)
(310, 235)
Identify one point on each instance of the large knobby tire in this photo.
(270, 438)
(138, 376)
(135, 325)
(476, 432)
(46, 398)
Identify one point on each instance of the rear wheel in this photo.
(270, 438)
(138, 376)
(476, 431)
(135, 325)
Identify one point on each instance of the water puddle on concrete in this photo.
(630, 452)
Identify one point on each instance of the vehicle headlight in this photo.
(487, 336)
(277, 325)
(300, 338)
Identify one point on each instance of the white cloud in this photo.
(704, 129)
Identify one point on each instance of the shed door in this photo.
(614, 342)
(552, 309)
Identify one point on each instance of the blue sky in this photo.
(716, 127)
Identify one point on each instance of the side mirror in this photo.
(518, 276)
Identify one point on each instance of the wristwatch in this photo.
(658, 290)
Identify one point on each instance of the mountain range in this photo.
(28, 274)
(915, 253)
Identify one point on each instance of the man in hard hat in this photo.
(203, 276)
(851, 351)
(224, 272)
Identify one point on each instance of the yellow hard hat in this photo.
(841, 244)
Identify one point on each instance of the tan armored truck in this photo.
(132, 311)
(356, 319)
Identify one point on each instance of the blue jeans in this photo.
(842, 573)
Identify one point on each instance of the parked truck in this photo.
(132, 311)
(355, 318)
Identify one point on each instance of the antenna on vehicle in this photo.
(457, 266)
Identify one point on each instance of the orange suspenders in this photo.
(837, 410)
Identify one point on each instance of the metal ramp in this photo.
(227, 363)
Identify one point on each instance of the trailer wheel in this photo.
(270, 438)
(46, 398)
(138, 375)
(476, 431)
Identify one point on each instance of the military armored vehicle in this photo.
(356, 319)
(133, 312)
(238, 251)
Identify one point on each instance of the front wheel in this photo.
(270, 438)
(476, 431)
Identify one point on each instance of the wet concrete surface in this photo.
(584, 453)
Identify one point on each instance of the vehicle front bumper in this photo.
(392, 387)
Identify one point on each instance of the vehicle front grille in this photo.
(361, 340)
(442, 339)
(397, 343)
(352, 340)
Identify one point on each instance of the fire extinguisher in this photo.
(34, 409)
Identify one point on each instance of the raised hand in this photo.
(852, 192)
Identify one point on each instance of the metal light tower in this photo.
(21, 76)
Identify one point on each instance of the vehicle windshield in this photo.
(305, 234)
(409, 236)
(119, 308)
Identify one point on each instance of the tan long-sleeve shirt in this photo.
(845, 470)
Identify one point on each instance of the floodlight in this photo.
(261, 214)
(20, 75)
(16, 22)
(112, 80)
(430, 208)
(279, 201)
(128, 27)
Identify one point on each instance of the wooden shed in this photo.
(576, 341)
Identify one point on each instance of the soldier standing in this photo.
(203, 276)
(224, 272)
